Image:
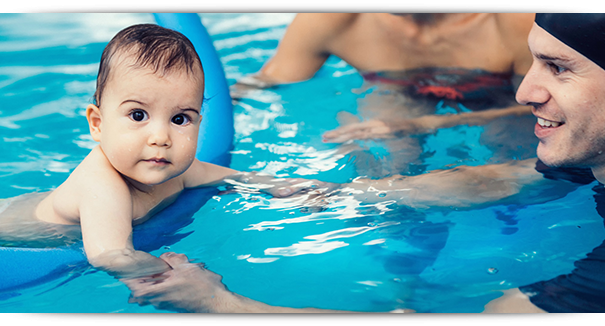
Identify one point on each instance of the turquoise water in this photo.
(349, 256)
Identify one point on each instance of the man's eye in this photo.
(557, 69)
(139, 115)
(180, 119)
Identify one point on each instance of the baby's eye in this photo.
(139, 115)
(180, 119)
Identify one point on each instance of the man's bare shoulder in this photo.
(327, 21)
(323, 27)
(516, 25)
(514, 30)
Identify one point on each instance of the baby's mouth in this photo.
(549, 124)
(158, 160)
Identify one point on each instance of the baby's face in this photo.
(150, 123)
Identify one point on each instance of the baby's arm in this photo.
(106, 209)
(205, 174)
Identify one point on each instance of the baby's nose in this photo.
(160, 137)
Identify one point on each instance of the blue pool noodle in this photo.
(24, 267)
(216, 135)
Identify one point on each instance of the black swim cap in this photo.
(584, 33)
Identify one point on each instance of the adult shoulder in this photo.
(514, 29)
(322, 26)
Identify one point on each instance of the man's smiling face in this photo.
(567, 91)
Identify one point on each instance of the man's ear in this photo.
(93, 115)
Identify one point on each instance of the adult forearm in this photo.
(430, 123)
(464, 186)
(234, 303)
(483, 117)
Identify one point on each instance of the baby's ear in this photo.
(93, 115)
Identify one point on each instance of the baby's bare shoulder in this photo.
(96, 170)
(94, 175)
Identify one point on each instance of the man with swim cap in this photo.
(565, 88)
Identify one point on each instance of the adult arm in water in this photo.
(192, 288)
(463, 187)
(380, 129)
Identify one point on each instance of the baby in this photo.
(146, 118)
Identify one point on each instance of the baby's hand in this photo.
(288, 187)
(278, 187)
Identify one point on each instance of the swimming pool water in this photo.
(351, 255)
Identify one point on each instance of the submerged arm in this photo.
(376, 129)
(481, 117)
(464, 186)
(191, 288)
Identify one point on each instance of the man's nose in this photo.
(532, 90)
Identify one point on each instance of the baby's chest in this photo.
(144, 206)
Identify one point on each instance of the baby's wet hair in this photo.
(152, 46)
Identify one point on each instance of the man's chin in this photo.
(549, 156)
(556, 161)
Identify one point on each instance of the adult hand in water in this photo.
(192, 288)
(186, 288)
